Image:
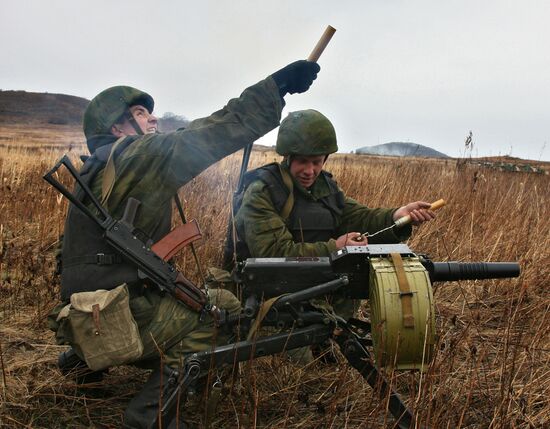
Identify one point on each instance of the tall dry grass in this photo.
(492, 366)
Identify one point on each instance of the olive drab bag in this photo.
(103, 327)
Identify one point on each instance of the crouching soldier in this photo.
(130, 159)
(295, 208)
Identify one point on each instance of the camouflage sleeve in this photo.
(265, 231)
(155, 166)
(181, 155)
(359, 218)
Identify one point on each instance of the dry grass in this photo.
(492, 367)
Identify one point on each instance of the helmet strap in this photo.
(133, 122)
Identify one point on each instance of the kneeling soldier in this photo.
(130, 159)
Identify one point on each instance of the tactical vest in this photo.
(88, 262)
(309, 220)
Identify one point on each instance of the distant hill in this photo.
(41, 108)
(36, 108)
(401, 149)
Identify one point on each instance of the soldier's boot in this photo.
(143, 409)
(70, 364)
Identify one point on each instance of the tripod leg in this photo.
(359, 358)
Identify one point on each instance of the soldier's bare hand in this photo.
(351, 239)
(419, 211)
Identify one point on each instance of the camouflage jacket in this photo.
(267, 234)
(154, 166)
(151, 168)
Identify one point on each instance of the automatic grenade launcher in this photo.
(396, 281)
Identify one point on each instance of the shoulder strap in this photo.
(109, 173)
(289, 203)
(279, 183)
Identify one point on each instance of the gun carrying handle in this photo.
(321, 44)
(407, 219)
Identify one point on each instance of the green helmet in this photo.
(306, 132)
(109, 105)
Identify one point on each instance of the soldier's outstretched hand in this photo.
(419, 212)
(297, 77)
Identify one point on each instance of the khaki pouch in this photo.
(103, 327)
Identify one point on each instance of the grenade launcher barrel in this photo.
(452, 271)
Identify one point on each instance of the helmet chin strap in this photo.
(133, 122)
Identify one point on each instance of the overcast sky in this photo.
(418, 71)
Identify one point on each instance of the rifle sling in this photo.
(262, 312)
(109, 173)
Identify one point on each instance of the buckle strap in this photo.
(404, 290)
(97, 259)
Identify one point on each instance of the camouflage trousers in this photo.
(167, 328)
(176, 331)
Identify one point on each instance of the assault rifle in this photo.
(399, 335)
(150, 259)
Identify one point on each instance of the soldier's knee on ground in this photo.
(205, 335)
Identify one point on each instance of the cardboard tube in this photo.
(321, 44)
(407, 219)
(438, 204)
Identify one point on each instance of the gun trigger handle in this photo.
(130, 211)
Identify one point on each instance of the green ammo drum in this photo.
(402, 312)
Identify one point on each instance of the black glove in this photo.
(297, 77)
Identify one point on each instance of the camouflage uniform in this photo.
(266, 233)
(151, 169)
(320, 215)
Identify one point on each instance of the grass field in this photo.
(493, 361)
